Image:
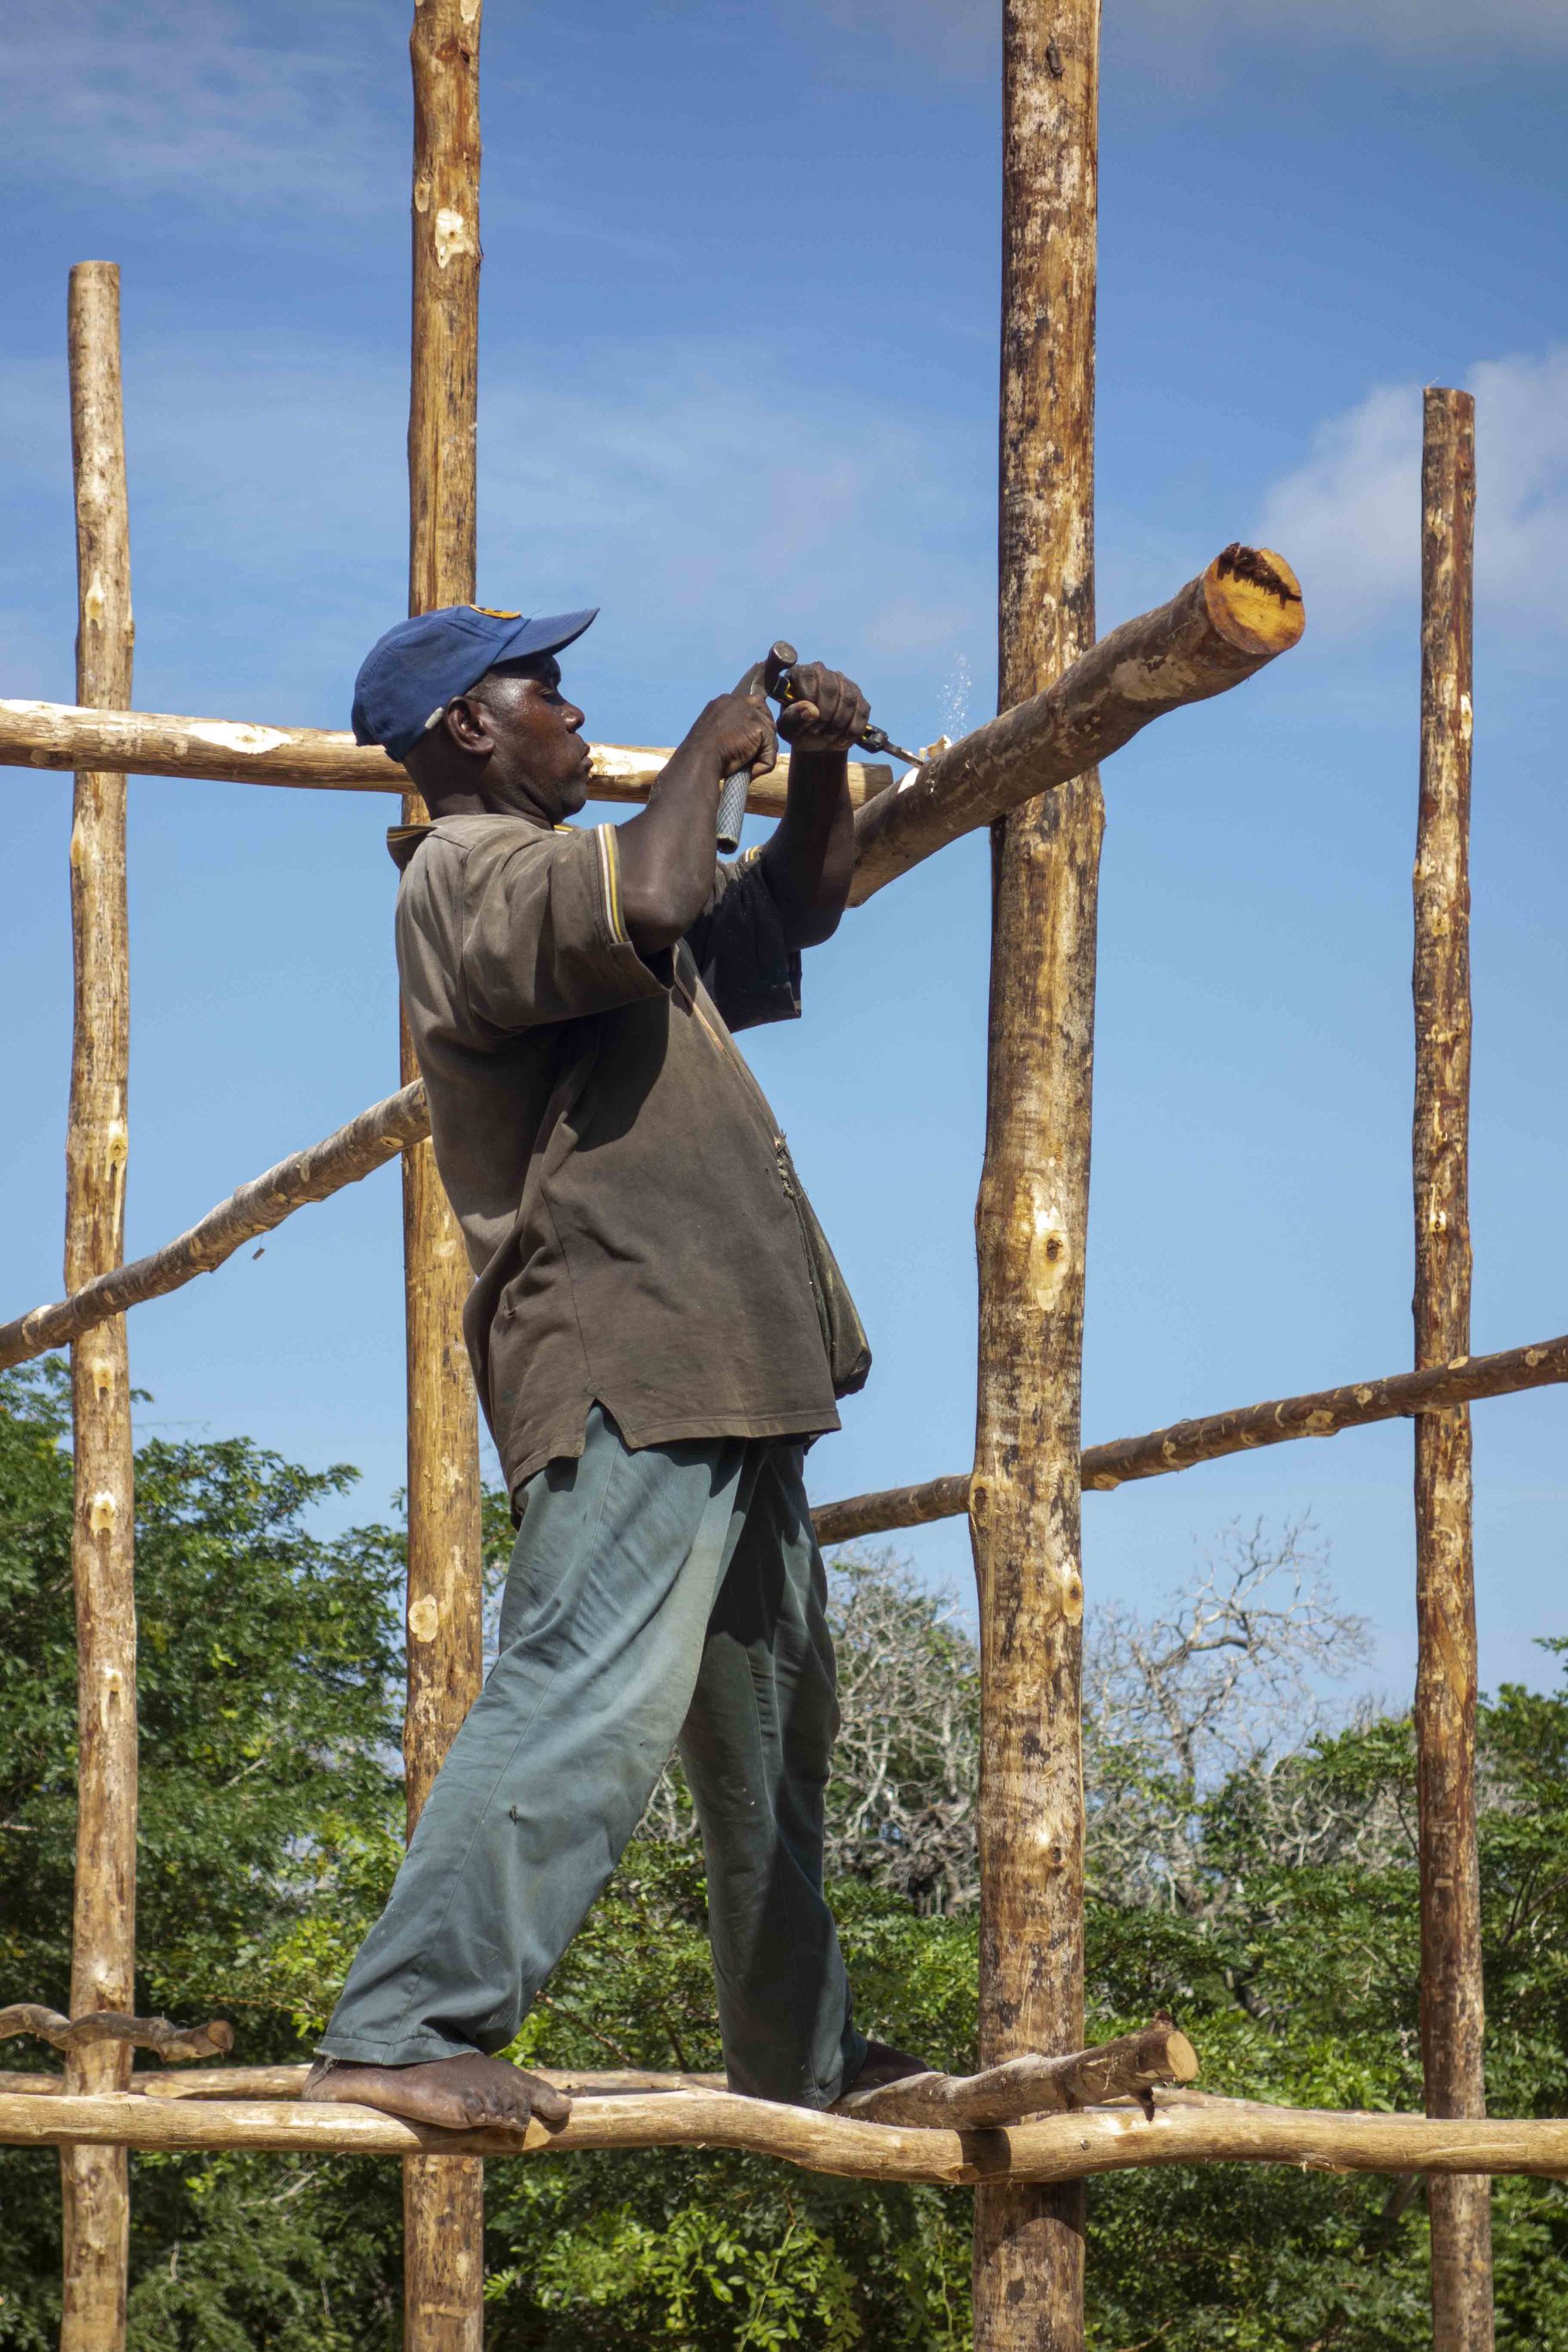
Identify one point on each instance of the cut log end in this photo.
(1181, 2059)
(1254, 599)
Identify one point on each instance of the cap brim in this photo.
(549, 635)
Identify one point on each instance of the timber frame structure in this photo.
(1045, 2114)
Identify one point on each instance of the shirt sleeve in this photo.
(543, 936)
(747, 966)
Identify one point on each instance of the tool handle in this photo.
(732, 809)
(778, 682)
(732, 798)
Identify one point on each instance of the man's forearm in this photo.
(667, 852)
(811, 856)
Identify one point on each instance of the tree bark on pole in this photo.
(442, 2203)
(1452, 2004)
(1032, 1214)
(95, 2181)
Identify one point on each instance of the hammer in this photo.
(771, 675)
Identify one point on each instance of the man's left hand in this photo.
(828, 712)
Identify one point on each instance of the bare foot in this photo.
(461, 2094)
(884, 2064)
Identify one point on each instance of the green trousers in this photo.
(673, 1596)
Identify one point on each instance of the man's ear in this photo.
(468, 725)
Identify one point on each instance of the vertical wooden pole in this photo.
(443, 2199)
(95, 2181)
(1452, 2006)
(1034, 1197)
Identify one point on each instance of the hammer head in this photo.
(781, 656)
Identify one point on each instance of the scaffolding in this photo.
(1045, 2113)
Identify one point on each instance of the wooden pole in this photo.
(1034, 1196)
(61, 735)
(95, 2182)
(1221, 629)
(1320, 1412)
(1111, 2070)
(387, 1128)
(443, 2205)
(345, 1157)
(1060, 2147)
(1243, 610)
(1452, 2006)
(289, 2081)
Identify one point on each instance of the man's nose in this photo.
(571, 718)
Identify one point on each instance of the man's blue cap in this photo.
(408, 677)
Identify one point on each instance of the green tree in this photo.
(270, 1829)
(1252, 1868)
(269, 1818)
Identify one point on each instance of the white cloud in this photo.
(1349, 518)
(943, 36)
(278, 105)
(936, 34)
(1436, 32)
(708, 507)
(226, 103)
(719, 492)
(711, 508)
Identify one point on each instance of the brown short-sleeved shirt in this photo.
(625, 1191)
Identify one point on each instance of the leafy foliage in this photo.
(1252, 1864)
(269, 1825)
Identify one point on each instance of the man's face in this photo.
(534, 761)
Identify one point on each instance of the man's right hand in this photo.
(736, 731)
(667, 852)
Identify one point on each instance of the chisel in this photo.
(771, 676)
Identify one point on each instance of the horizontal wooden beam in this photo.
(383, 1130)
(288, 2082)
(1132, 2062)
(1056, 2147)
(1323, 1412)
(1220, 629)
(1320, 1412)
(64, 736)
(888, 1509)
(367, 1142)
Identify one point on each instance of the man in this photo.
(658, 1331)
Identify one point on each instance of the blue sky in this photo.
(739, 380)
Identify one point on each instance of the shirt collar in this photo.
(403, 840)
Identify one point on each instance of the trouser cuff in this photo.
(415, 2050)
(850, 2064)
(815, 2095)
